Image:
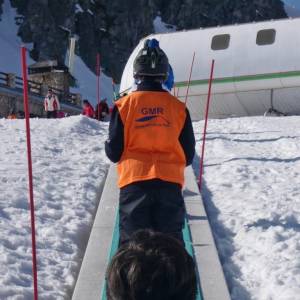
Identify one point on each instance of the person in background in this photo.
(88, 109)
(51, 104)
(20, 114)
(12, 114)
(151, 266)
(151, 138)
(102, 110)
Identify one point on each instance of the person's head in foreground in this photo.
(151, 266)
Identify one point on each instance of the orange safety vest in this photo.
(152, 125)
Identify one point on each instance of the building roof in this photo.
(47, 66)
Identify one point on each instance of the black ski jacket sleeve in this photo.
(187, 139)
(114, 145)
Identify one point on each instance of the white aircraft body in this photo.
(257, 68)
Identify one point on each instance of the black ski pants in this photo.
(152, 204)
(51, 114)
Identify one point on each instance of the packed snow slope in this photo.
(69, 165)
(252, 193)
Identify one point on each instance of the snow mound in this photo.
(161, 27)
(69, 165)
(252, 193)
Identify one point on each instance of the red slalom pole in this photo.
(26, 109)
(205, 124)
(189, 82)
(98, 84)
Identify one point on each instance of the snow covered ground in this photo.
(69, 165)
(252, 194)
(251, 191)
(161, 27)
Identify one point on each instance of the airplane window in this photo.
(220, 42)
(265, 37)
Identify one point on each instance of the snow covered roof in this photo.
(46, 66)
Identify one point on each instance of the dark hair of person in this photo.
(85, 101)
(151, 266)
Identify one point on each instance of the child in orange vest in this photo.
(152, 139)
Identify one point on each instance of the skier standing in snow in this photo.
(51, 104)
(102, 110)
(88, 109)
(12, 114)
(152, 139)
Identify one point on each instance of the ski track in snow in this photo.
(252, 194)
(69, 165)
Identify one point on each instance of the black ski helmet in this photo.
(151, 61)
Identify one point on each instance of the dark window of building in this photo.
(265, 37)
(220, 42)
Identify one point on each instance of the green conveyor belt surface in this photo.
(115, 243)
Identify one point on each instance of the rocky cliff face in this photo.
(187, 14)
(114, 27)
